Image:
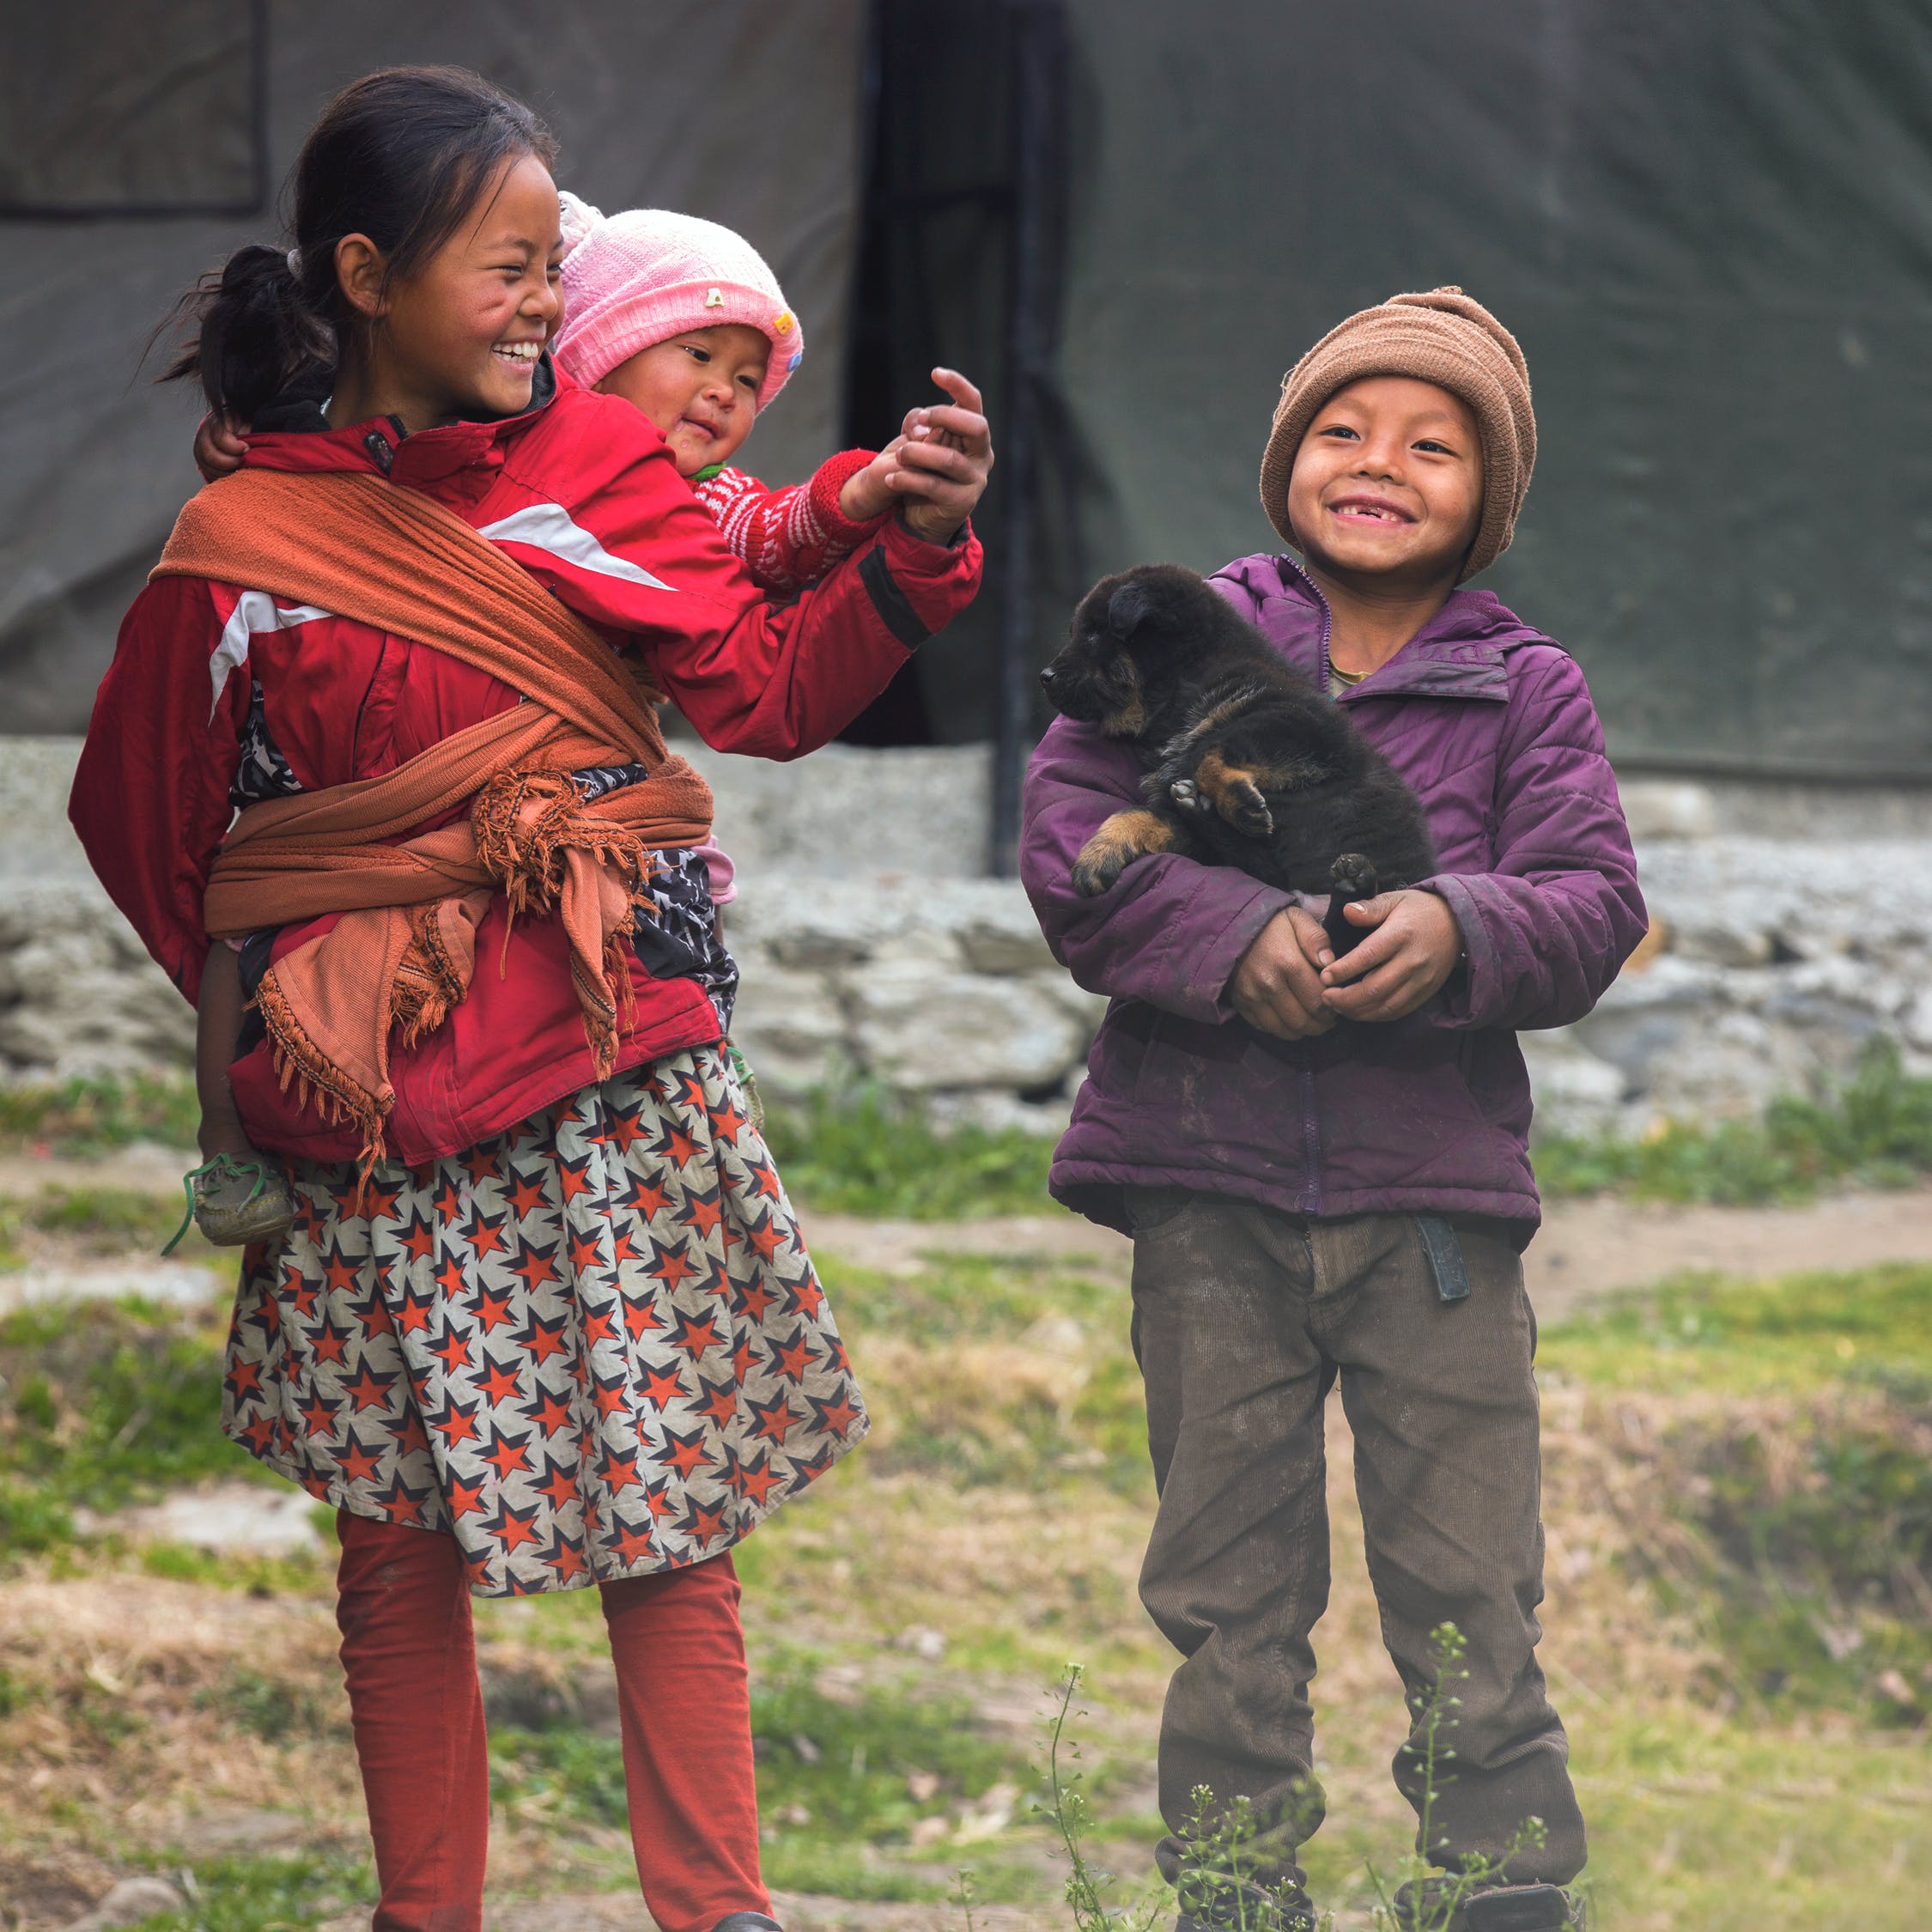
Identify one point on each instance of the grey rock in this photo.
(230, 1515)
(791, 1026)
(919, 1031)
(1576, 1091)
(129, 1902)
(1666, 808)
(989, 1109)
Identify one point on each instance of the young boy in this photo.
(1323, 1163)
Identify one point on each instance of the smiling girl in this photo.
(545, 1318)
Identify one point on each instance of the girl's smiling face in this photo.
(700, 389)
(1387, 482)
(461, 335)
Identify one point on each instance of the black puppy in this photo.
(1247, 764)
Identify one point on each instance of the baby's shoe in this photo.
(236, 1203)
(1423, 1907)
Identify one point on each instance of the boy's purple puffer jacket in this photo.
(1492, 725)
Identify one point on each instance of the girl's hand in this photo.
(219, 448)
(1412, 952)
(942, 466)
(870, 493)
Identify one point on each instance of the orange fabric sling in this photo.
(404, 952)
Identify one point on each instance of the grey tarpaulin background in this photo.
(743, 111)
(1710, 225)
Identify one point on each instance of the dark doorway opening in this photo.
(959, 265)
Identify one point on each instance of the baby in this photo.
(683, 319)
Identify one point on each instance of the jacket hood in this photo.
(1472, 616)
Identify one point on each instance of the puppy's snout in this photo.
(1047, 677)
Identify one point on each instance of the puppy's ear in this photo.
(1127, 610)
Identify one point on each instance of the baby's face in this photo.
(699, 389)
(1389, 481)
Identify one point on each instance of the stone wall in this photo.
(1792, 925)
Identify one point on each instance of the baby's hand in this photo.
(869, 493)
(219, 448)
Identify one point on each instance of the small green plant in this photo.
(964, 1895)
(1065, 1807)
(1425, 1897)
(1229, 1851)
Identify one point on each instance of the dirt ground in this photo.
(1585, 1251)
(125, 1728)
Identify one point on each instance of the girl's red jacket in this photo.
(582, 492)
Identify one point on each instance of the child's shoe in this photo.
(1423, 1906)
(236, 1203)
(1229, 1907)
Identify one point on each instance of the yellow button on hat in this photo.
(781, 323)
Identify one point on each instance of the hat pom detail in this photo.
(577, 218)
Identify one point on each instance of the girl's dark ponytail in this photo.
(254, 332)
(400, 157)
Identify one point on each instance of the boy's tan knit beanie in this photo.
(1444, 336)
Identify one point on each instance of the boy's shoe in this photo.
(1248, 1908)
(1497, 1908)
(236, 1203)
(747, 1922)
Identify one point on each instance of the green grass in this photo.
(113, 1221)
(1876, 1130)
(858, 1151)
(1807, 1484)
(844, 1780)
(243, 1894)
(104, 1404)
(82, 1117)
(977, 1417)
(1798, 1333)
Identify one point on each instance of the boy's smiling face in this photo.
(1387, 482)
(699, 389)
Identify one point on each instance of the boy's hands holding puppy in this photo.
(1277, 985)
(1415, 946)
(1289, 983)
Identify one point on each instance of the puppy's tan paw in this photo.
(1125, 836)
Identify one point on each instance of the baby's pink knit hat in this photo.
(636, 279)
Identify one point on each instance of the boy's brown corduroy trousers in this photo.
(1244, 1320)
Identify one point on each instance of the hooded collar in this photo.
(1458, 653)
(456, 459)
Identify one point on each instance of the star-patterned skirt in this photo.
(593, 1347)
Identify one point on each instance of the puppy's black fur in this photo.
(1247, 764)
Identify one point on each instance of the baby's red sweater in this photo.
(788, 538)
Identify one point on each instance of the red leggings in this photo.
(410, 1655)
